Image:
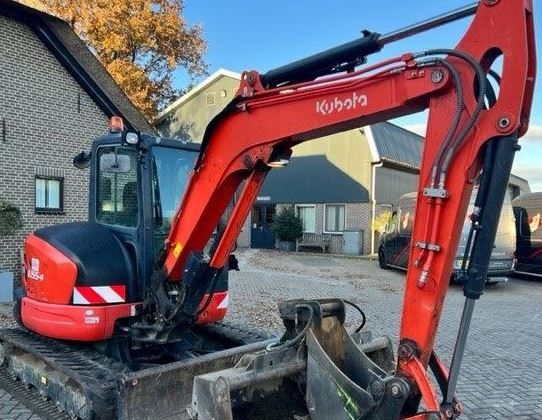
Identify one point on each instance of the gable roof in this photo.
(393, 144)
(194, 91)
(79, 61)
(396, 145)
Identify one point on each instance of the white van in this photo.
(394, 245)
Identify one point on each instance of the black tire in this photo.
(453, 280)
(382, 260)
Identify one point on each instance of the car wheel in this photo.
(382, 259)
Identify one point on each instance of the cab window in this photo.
(171, 169)
(117, 201)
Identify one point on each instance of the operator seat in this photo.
(129, 204)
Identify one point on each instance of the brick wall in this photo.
(357, 217)
(48, 120)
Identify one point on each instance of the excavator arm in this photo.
(471, 129)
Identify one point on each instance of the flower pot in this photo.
(288, 246)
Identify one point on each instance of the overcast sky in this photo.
(262, 35)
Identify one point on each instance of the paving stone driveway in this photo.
(501, 377)
(12, 409)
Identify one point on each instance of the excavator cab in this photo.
(84, 278)
(135, 190)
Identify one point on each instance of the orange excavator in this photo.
(120, 312)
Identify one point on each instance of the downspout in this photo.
(373, 203)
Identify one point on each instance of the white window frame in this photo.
(307, 205)
(324, 218)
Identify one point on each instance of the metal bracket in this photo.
(256, 376)
(429, 247)
(435, 192)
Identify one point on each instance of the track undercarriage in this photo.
(226, 372)
(83, 382)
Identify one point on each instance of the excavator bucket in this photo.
(337, 372)
(165, 391)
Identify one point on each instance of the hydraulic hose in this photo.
(297, 339)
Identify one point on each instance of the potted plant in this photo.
(288, 227)
(10, 222)
(10, 218)
(380, 222)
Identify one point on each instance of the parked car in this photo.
(528, 210)
(394, 245)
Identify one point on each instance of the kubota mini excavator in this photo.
(136, 282)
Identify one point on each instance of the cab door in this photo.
(115, 202)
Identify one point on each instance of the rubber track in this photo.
(31, 399)
(234, 334)
(93, 370)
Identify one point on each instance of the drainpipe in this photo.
(373, 203)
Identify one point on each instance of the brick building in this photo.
(55, 99)
(337, 183)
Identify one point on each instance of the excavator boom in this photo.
(470, 130)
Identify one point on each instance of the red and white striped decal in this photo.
(217, 308)
(96, 295)
(225, 302)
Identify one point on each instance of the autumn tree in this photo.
(381, 222)
(140, 42)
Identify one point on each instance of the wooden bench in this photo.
(313, 240)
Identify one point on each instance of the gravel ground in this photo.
(6, 316)
(268, 277)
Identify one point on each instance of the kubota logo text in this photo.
(327, 107)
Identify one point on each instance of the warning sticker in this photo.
(35, 264)
(92, 320)
(177, 250)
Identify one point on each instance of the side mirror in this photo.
(82, 160)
